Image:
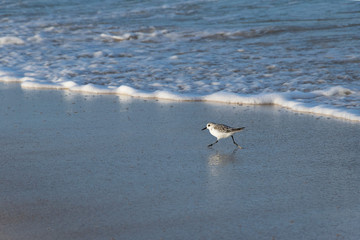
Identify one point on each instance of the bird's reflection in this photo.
(221, 159)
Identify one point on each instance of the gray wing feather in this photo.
(225, 128)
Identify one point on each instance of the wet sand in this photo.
(83, 166)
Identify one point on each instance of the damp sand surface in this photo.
(85, 166)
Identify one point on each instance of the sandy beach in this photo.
(84, 166)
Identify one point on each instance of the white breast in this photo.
(218, 134)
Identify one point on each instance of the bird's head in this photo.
(208, 126)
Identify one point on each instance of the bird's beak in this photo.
(203, 129)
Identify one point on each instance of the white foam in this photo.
(123, 37)
(290, 100)
(39, 85)
(98, 54)
(36, 38)
(334, 91)
(10, 76)
(9, 40)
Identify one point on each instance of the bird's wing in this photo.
(234, 129)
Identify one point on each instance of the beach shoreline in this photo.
(286, 100)
(92, 166)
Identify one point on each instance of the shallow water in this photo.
(191, 49)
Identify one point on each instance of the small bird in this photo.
(222, 131)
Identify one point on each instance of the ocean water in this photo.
(303, 55)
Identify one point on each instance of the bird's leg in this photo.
(213, 143)
(235, 142)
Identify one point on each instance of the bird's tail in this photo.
(238, 129)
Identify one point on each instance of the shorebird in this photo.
(222, 131)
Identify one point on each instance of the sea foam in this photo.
(10, 40)
(289, 100)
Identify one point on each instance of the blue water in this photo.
(307, 51)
